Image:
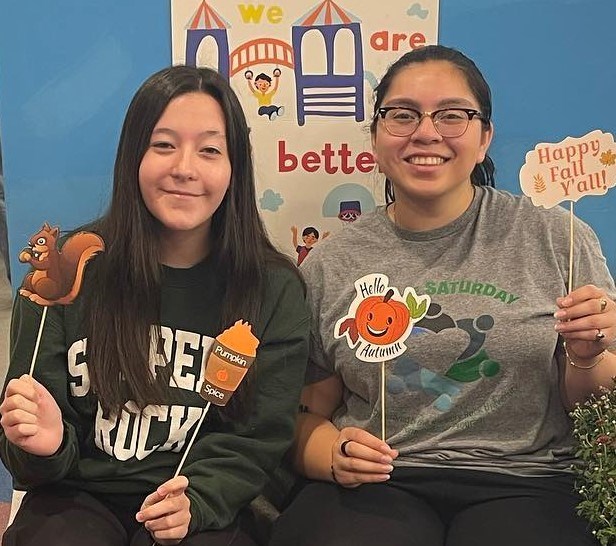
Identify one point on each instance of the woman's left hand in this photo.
(166, 512)
(587, 321)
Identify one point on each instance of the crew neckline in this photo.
(444, 231)
(187, 276)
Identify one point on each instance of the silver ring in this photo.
(343, 447)
(603, 303)
(599, 336)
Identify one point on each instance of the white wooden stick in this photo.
(570, 247)
(383, 400)
(38, 340)
(192, 441)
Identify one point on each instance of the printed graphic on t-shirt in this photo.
(471, 287)
(472, 364)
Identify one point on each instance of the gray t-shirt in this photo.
(478, 384)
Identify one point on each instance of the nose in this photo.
(426, 131)
(184, 168)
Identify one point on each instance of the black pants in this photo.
(49, 517)
(436, 507)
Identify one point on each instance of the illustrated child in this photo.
(260, 88)
(96, 435)
(310, 236)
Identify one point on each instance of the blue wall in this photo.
(69, 67)
(550, 64)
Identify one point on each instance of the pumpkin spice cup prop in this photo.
(231, 356)
(567, 171)
(378, 322)
(57, 273)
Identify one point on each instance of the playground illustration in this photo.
(326, 94)
(304, 71)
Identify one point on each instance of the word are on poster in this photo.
(305, 73)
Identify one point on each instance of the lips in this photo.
(179, 193)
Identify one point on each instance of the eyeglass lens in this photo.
(448, 123)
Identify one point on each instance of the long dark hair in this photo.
(124, 304)
(483, 173)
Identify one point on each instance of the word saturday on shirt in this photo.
(474, 288)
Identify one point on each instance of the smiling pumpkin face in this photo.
(381, 320)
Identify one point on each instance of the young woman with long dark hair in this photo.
(97, 434)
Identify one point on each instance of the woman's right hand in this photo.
(31, 418)
(368, 459)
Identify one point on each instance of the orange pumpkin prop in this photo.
(381, 320)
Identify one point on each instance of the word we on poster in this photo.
(305, 73)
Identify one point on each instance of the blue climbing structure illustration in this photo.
(203, 23)
(330, 93)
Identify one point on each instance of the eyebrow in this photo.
(451, 102)
(208, 132)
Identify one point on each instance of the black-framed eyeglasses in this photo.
(448, 122)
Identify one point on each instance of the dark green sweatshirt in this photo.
(124, 458)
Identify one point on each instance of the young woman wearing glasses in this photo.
(478, 448)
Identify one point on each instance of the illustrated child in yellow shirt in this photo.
(260, 88)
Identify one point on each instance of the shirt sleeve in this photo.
(50, 370)
(319, 366)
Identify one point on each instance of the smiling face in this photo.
(309, 239)
(381, 320)
(426, 167)
(185, 172)
(262, 85)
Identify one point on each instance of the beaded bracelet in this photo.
(596, 360)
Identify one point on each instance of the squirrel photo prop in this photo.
(57, 272)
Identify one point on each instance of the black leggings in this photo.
(437, 507)
(52, 516)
